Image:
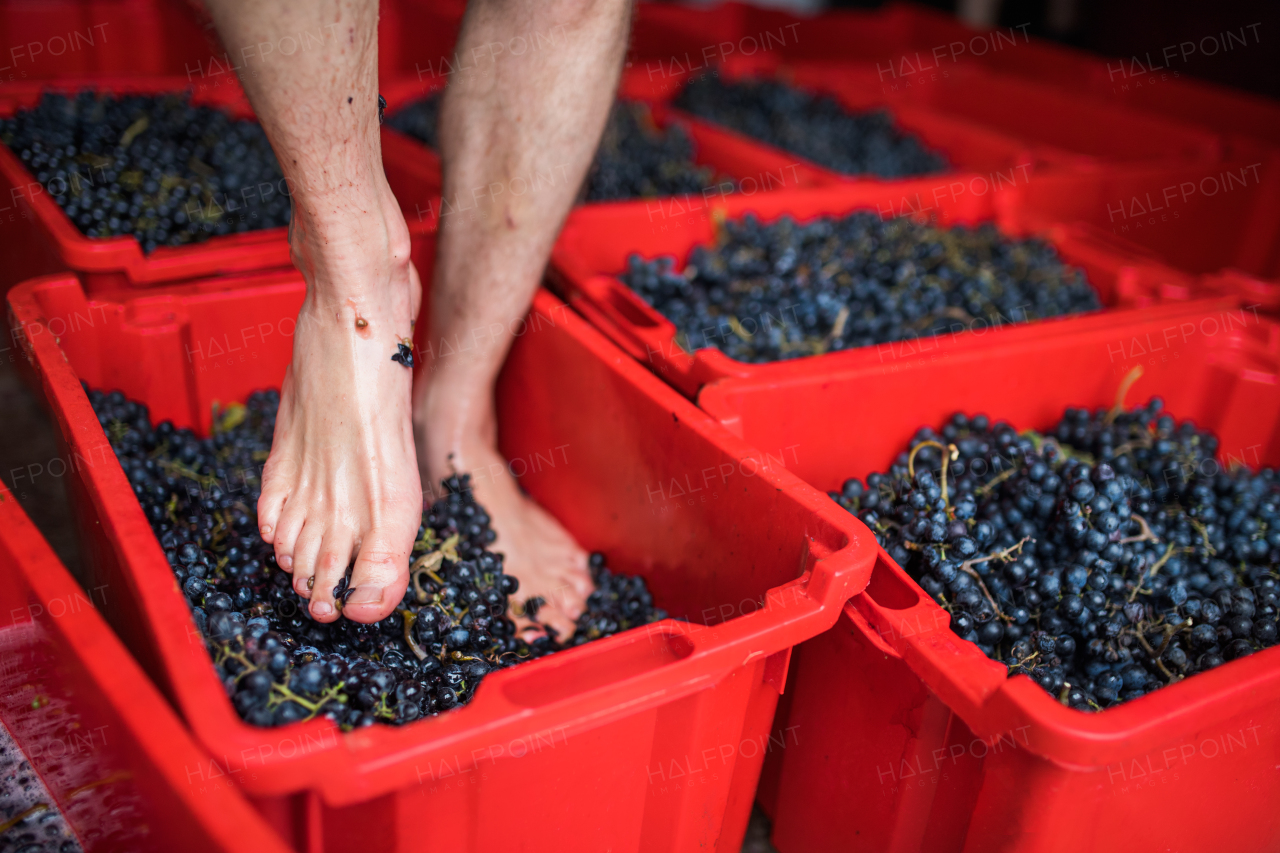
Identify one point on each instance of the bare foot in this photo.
(342, 480)
(539, 551)
(457, 431)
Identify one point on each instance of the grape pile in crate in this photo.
(278, 665)
(156, 167)
(812, 126)
(785, 290)
(1106, 558)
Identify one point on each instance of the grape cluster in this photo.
(151, 166)
(1105, 559)
(278, 665)
(636, 159)
(785, 290)
(812, 126)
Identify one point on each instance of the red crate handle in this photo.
(870, 633)
(600, 293)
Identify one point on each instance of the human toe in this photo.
(331, 568)
(379, 578)
(305, 552)
(271, 503)
(286, 535)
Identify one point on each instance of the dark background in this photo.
(1128, 28)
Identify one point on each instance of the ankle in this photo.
(456, 426)
(350, 255)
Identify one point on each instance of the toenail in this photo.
(365, 595)
(265, 529)
(311, 582)
(285, 562)
(321, 608)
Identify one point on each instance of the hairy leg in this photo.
(341, 481)
(518, 132)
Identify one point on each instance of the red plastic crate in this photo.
(1150, 83)
(941, 39)
(1199, 218)
(904, 41)
(54, 39)
(968, 146)
(883, 34)
(1222, 221)
(647, 478)
(1060, 125)
(104, 743)
(418, 39)
(669, 36)
(705, 22)
(900, 40)
(1241, 115)
(595, 244)
(1250, 290)
(733, 30)
(40, 238)
(970, 143)
(912, 739)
